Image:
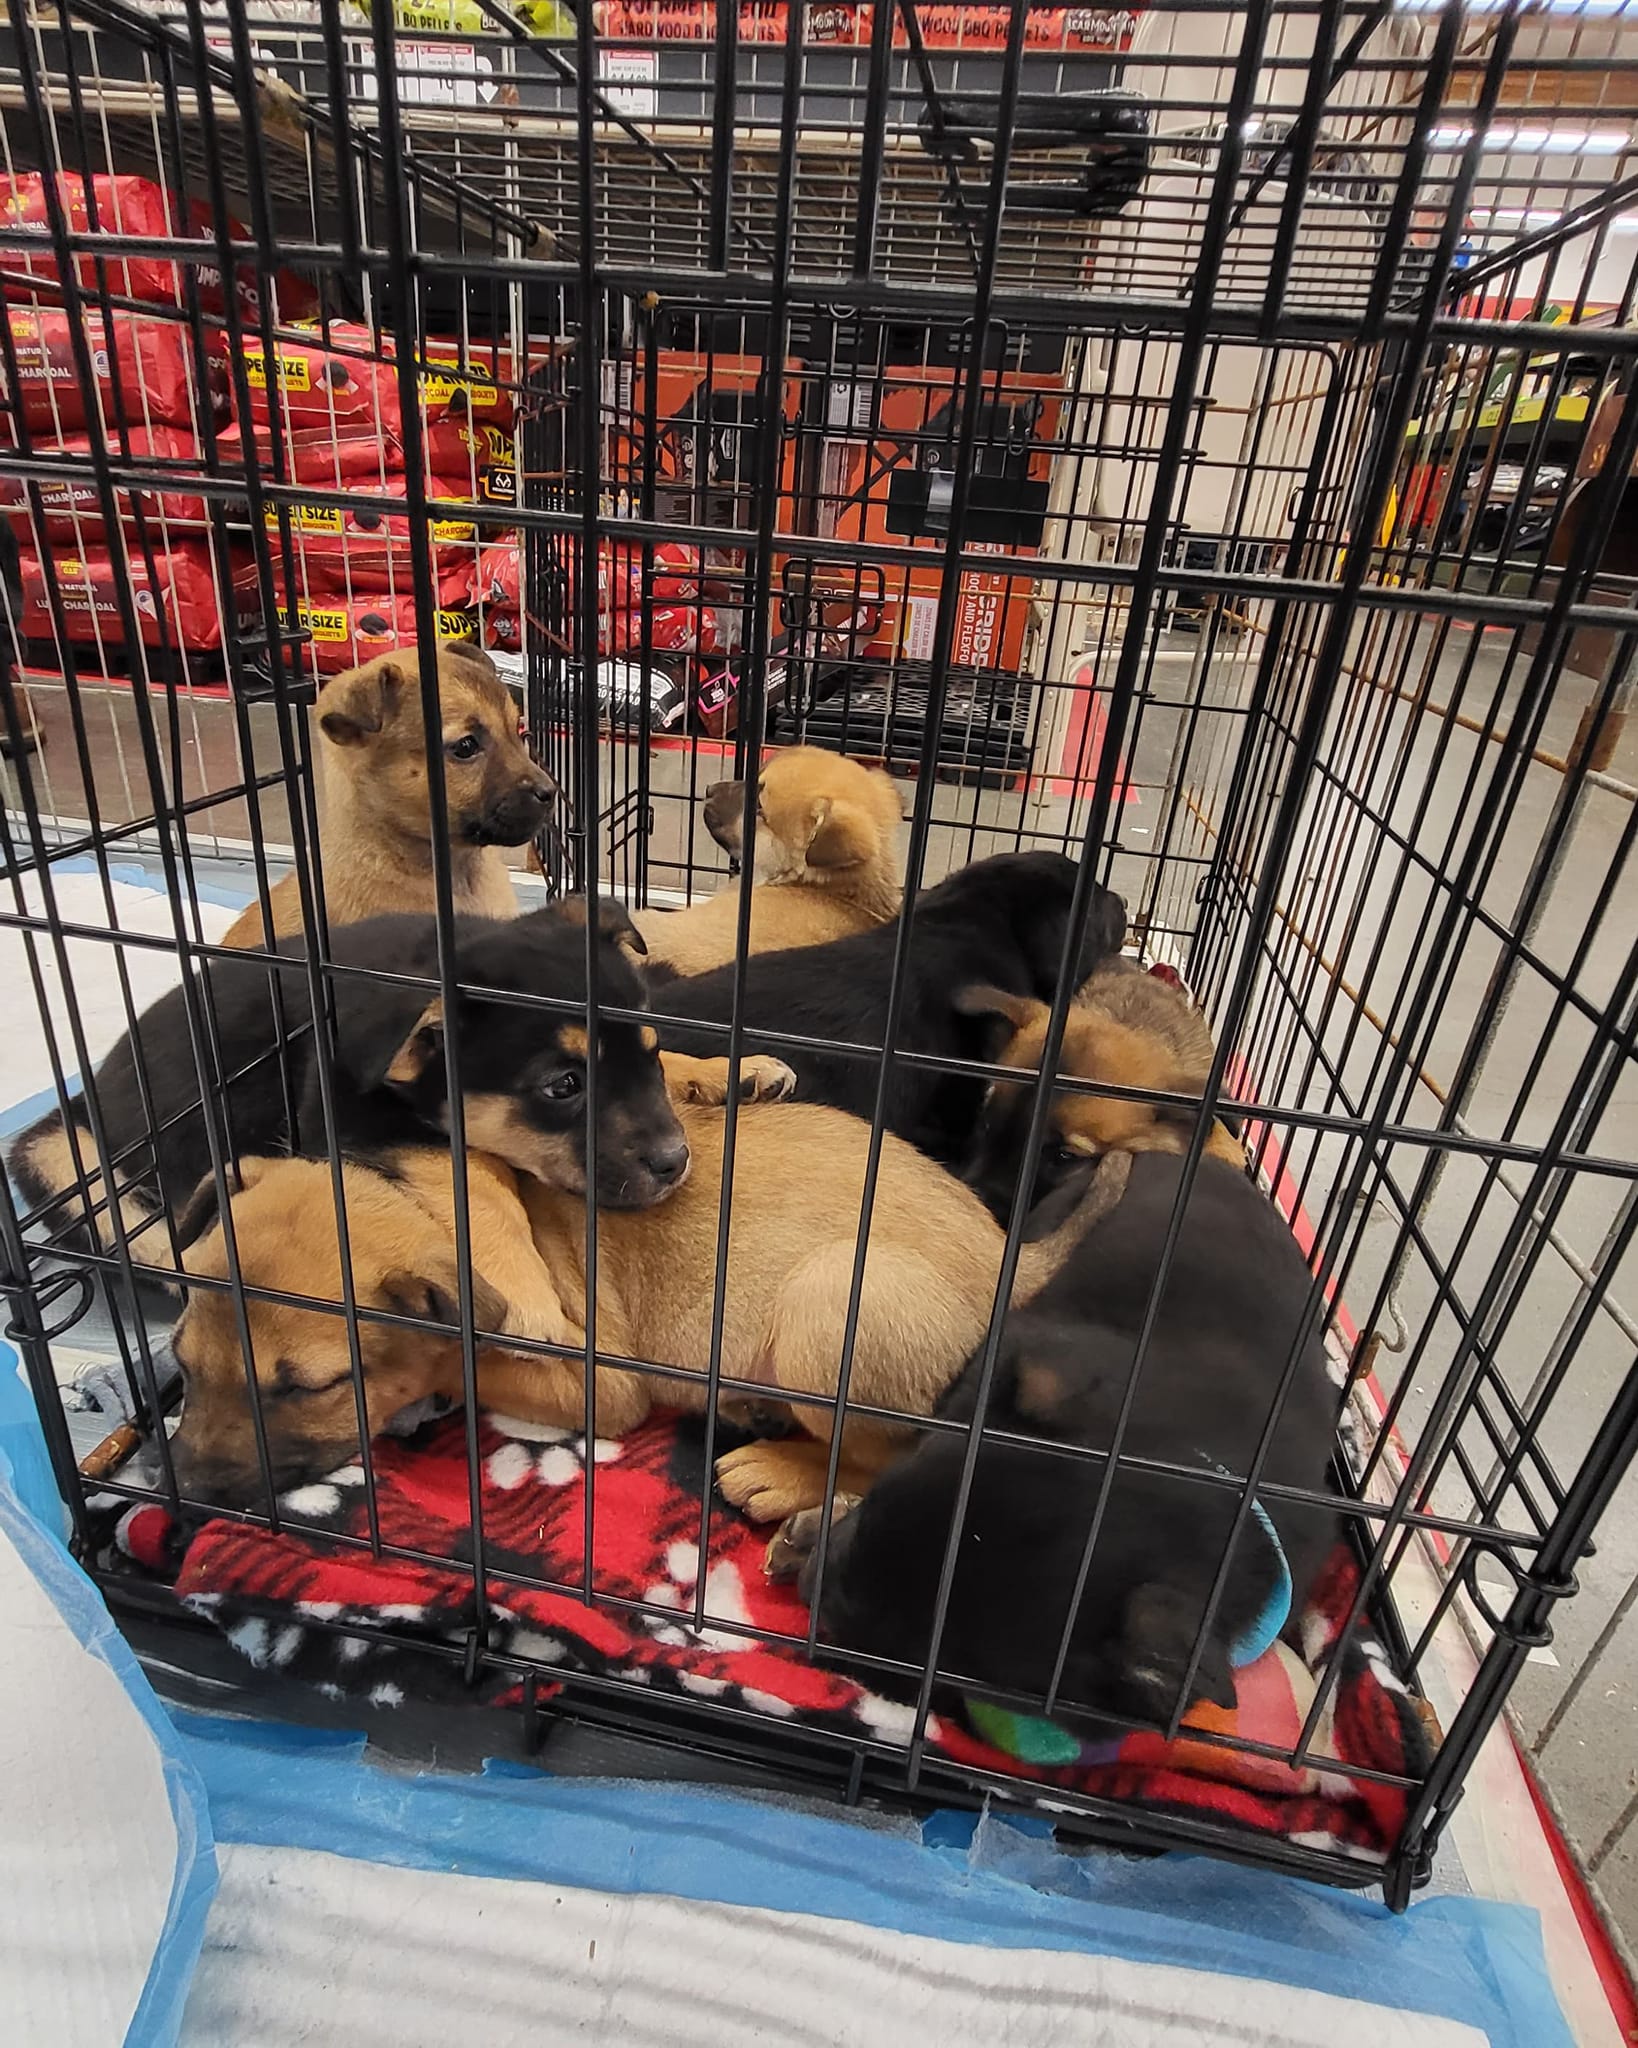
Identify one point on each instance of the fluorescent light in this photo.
(1506, 139)
(1603, 10)
(1513, 218)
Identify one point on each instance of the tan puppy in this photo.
(929, 1283)
(1124, 1026)
(827, 862)
(402, 1245)
(375, 829)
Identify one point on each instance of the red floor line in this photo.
(1084, 742)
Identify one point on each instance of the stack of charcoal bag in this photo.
(324, 413)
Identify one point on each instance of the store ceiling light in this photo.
(1508, 139)
(1514, 218)
(1601, 10)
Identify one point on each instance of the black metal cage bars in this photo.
(1195, 440)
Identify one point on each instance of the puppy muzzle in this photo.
(517, 816)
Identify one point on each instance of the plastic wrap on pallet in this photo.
(147, 363)
(178, 606)
(345, 631)
(72, 503)
(134, 207)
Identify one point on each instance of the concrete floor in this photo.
(1350, 940)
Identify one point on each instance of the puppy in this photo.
(375, 829)
(826, 862)
(799, 1169)
(1124, 1026)
(401, 1241)
(1235, 1298)
(522, 1072)
(1002, 922)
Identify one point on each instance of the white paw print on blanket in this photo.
(535, 1450)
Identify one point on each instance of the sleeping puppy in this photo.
(798, 1173)
(1001, 922)
(1124, 1026)
(826, 862)
(522, 1072)
(1234, 1300)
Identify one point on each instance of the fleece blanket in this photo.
(280, 1598)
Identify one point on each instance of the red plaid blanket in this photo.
(266, 1591)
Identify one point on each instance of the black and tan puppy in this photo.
(1124, 1026)
(522, 1072)
(1235, 1298)
(375, 822)
(1001, 921)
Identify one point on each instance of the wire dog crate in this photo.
(1194, 439)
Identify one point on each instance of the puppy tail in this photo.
(42, 1167)
(1058, 1223)
(55, 1169)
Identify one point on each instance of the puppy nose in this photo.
(667, 1161)
(544, 791)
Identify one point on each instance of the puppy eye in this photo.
(1064, 1155)
(467, 748)
(562, 1086)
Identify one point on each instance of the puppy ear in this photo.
(839, 834)
(417, 1053)
(1005, 1015)
(435, 1295)
(202, 1211)
(357, 705)
(613, 922)
(981, 1000)
(467, 653)
(1106, 927)
(199, 1213)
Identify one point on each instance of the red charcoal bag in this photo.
(151, 359)
(316, 455)
(88, 583)
(482, 457)
(495, 590)
(342, 383)
(347, 632)
(132, 207)
(361, 548)
(73, 506)
(469, 379)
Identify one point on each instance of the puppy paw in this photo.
(767, 1483)
(762, 1078)
(797, 1538)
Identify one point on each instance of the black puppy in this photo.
(1233, 1302)
(1002, 921)
(522, 1071)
